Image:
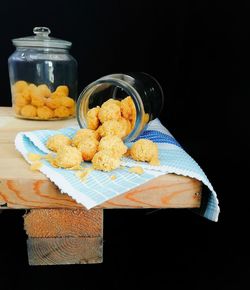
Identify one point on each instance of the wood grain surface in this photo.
(61, 231)
(64, 236)
(62, 251)
(167, 191)
(55, 223)
(22, 188)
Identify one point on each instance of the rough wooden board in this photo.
(11, 163)
(54, 223)
(22, 188)
(10, 125)
(64, 236)
(166, 191)
(61, 251)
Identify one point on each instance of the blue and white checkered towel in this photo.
(93, 191)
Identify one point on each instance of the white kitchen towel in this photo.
(100, 186)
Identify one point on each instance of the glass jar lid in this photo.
(41, 39)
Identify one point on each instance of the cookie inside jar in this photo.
(31, 101)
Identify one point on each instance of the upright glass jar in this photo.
(143, 89)
(43, 77)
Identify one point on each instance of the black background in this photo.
(199, 52)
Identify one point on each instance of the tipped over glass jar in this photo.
(43, 77)
(139, 96)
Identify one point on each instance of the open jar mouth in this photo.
(98, 92)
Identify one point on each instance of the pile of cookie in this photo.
(102, 142)
(39, 102)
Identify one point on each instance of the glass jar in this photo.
(43, 77)
(144, 90)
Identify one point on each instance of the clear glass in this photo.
(145, 91)
(43, 83)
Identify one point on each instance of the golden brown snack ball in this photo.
(111, 101)
(61, 112)
(126, 125)
(55, 95)
(112, 127)
(145, 150)
(20, 101)
(37, 100)
(29, 111)
(19, 86)
(83, 134)
(53, 103)
(57, 141)
(44, 90)
(67, 102)
(103, 160)
(92, 118)
(127, 106)
(62, 90)
(34, 91)
(109, 111)
(26, 94)
(88, 148)
(45, 113)
(146, 118)
(128, 110)
(68, 157)
(114, 144)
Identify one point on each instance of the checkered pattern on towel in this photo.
(99, 187)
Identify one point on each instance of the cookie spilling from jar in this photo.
(102, 142)
(38, 102)
(114, 117)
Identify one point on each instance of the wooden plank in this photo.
(22, 188)
(166, 191)
(12, 161)
(51, 223)
(61, 251)
(64, 236)
(10, 125)
(5, 111)
(28, 189)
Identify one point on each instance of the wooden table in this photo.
(61, 231)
